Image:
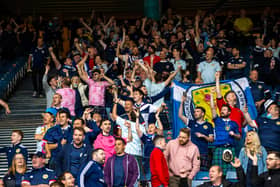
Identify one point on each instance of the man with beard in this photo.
(74, 155)
(201, 133)
(271, 177)
(230, 99)
(226, 132)
(183, 159)
(152, 58)
(121, 169)
(92, 172)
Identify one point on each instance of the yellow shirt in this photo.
(243, 24)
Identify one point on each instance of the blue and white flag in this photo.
(199, 95)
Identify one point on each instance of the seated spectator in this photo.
(216, 175)
(253, 145)
(16, 171)
(39, 174)
(16, 147)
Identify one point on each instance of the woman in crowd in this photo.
(253, 145)
(67, 179)
(15, 172)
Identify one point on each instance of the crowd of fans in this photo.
(107, 87)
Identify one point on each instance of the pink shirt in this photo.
(107, 143)
(97, 92)
(182, 157)
(68, 99)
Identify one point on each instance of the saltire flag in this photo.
(199, 95)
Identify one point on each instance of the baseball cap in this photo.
(268, 103)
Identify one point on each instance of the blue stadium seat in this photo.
(196, 183)
(202, 175)
(231, 176)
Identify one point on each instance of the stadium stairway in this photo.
(26, 116)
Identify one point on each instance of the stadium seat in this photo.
(231, 176)
(202, 175)
(196, 183)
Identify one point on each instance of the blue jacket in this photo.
(261, 160)
(91, 175)
(63, 159)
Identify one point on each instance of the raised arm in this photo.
(143, 26)
(110, 81)
(159, 123)
(82, 73)
(171, 76)
(129, 131)
(6, 106)
(212, 104)
(218, 89)
(248, 118)
(137, 126)
(181, 114)
(56, 62)
(86, 25)
(77, 45)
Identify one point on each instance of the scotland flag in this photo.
(199, 95)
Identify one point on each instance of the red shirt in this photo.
(148, 59)
(236, 114)
(159, 168)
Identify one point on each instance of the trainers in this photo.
(34, 94)
(41, 96)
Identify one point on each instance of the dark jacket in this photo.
(63, 159)
(271, 178)
(131, 171)
(91, 175)
(240, 176)
(11, 180)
